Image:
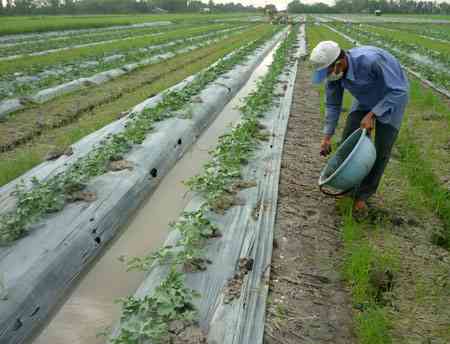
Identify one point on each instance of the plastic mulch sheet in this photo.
(247, 235)
(38, 269)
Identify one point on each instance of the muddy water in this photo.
(90, 308)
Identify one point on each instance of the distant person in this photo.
(380, 89)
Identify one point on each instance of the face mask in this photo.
(333, 76)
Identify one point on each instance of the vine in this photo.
(194, 229)
(139, 321)
(50, 195)
(237, 147)
(148, 318)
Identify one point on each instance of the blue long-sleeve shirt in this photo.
(377, 82)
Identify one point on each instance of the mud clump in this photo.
(196, 264)
(58, 152)
(256, 210)
(183, 332)
(382, 282)
(225, 202)
(234, 285)
(242, 184)
(120, 165)
(85, 196)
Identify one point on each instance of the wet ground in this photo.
(90, 307)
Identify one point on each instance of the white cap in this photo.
(323, 56)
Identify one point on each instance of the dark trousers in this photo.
(385, 136)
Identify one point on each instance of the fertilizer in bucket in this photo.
(351, 163)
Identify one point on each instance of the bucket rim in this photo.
(344, 163)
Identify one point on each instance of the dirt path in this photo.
(308, 301)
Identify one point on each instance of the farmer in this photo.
(379, 87)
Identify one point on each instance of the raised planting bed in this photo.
(14, 26)
(66, 211)
(423, 75)
(431, 31)
(41, 44)
(158, 53)
(33, 37)
(432, 65)
(68, 119)
(209, 282)
(22, 77)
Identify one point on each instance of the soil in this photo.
(120, 165)
(182, 332)
(196, 264)
(55, 153)
(308, 301)
(234, 285)
(86, 196)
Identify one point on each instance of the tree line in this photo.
(30, 7)
(369, 6)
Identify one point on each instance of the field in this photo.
(19, 25)
(389, 18)
(179, 155)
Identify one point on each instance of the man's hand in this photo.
(325, 146)
(368, 122)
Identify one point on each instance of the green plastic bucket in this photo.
(351, 163)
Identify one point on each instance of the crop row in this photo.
(417, 19)
(431, 65)
(436, 31)
(23, 83)
(36, 64)
(41, 45)
(20, 25)
(437, 49)
(11, 40)
(51, 195)
(100, 106)
(149, 318)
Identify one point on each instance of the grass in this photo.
(424, 157)
(373, 327)
(35, 24)
(416, 309)
(317, 33)
(17, 161)
(363, 263)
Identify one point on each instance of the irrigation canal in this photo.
(90, 308)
